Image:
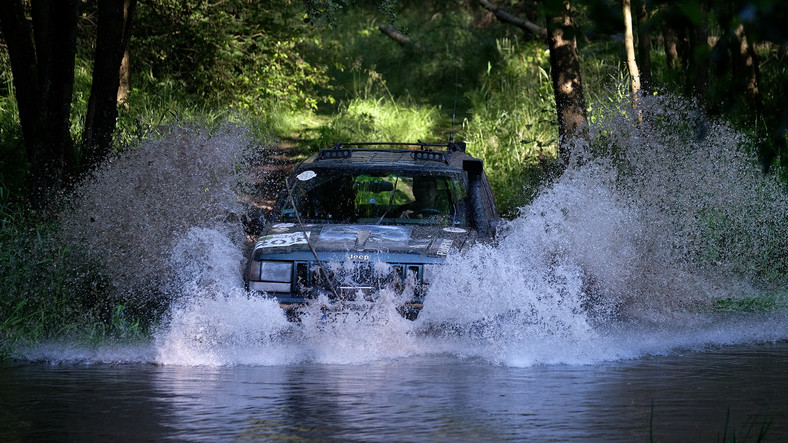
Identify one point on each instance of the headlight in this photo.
(280, 271)
(270, 276)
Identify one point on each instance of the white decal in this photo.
(306, 175)
(443, 249)
(283, 225)
(281, 240)
(454, 230)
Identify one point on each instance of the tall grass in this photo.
(13, 162)
(380, 120)
(513, 122)
(49, 292)
(373, 113)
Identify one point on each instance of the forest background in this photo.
(314, 72)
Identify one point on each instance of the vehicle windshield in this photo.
(378, 198)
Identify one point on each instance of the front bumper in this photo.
(348, 283)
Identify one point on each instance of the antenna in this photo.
(454, 108)
(451, 133)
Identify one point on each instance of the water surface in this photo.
(685, 396)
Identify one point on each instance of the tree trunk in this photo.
(745, 68)
(124, 89)
(698, 72)
(114, 18)
(644, 45)
(565, 74)
(671, 41)
(629, 44)
(43, 68)
(22, 55)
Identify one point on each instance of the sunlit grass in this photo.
(383, 120)
(513, 122)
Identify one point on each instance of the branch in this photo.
(505, 17)
(399, 37)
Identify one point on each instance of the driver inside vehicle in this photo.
(428, 200)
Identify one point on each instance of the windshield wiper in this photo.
(309, 243)
(391, 200)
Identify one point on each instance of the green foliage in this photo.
(233, 53)
(50, 292)
(513, 122)
(379, 120)
(605, 77)
(13, 162)
(480, 83)
(449, 64)
(324, 12)
(377, 115)
(765, 302)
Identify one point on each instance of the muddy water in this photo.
(700, 395)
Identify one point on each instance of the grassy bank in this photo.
(48, 292)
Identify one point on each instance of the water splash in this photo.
(130, 214)
(214, 323)
(620, 257)
(626, 253)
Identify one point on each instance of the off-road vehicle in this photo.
(359, 217)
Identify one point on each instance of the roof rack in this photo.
(452, 146)
(343, 150)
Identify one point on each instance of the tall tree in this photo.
(42, 52)
(564, 68)
(112, 39)
(565, 74)
(746, 68)
(629, 44)
(670, 40)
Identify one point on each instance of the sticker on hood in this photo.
(374, 236)
(281, 240)
(306, 175)
(443, 249)
(455, 230)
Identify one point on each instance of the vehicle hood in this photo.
(428, 241)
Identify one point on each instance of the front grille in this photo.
(349, 280)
